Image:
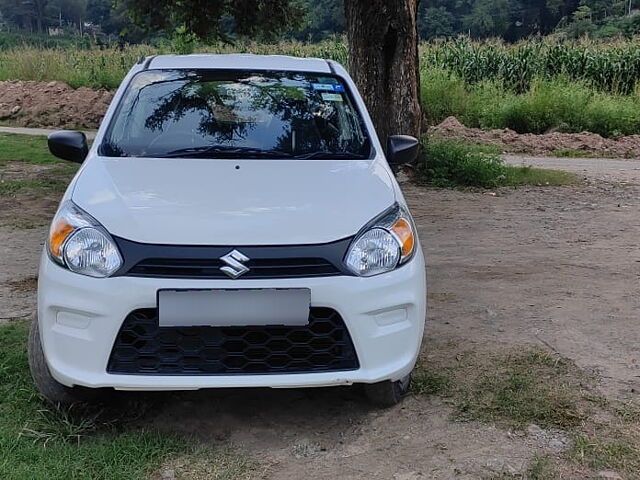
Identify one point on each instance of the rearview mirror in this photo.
(402, 149)
(69, 145)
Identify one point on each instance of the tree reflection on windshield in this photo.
(289, 112)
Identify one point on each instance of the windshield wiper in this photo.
(234, 152)
(331, 155)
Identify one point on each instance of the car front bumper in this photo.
(79, 319)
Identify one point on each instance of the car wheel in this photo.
(387, 394)
(52, 390)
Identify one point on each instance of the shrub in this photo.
(448, 163)
(570, 107)
(451, 163)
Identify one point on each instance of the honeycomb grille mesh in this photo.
(144, 348)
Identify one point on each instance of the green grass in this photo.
(49, 185)
(26, 148)
(33, 150)
(571, 153)
(451, 163)
(521, 389)
(427, 382)
(518, 176)
(39, 442)
(514, 389)
(621, 454)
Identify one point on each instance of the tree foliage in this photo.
(516, 19)
(314, 20)
(217, 19)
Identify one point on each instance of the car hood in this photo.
(233, 202)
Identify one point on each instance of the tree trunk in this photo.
(383, 60)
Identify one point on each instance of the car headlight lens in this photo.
(77, 241)
(386, 243)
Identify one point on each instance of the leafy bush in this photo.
(452, 163)
(449, 163)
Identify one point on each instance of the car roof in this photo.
(240, 61)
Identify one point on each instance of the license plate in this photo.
(234, 308)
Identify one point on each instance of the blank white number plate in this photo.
(242, 307)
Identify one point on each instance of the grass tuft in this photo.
(516, 389)
(49, 185)
(452, 163)
(522, 389)
(518, 176)
(427, 382)
(620, 454)
(571, 153)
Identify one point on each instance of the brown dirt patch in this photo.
(24, 217)
(26, 284)
(52, 104)
(512, 142)
(35, 204)
(23, 171)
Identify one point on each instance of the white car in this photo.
(235, 223)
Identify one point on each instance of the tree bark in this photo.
(383, 60)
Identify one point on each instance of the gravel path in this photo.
(39, 131)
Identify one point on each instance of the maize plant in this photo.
(611, 67)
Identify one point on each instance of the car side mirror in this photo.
(69, 145)
(402, 149)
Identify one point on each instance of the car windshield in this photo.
(236, 114)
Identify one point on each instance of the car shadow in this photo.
(250, 417)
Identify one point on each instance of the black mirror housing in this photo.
(68, 145)
(401, 150)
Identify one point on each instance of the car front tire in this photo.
(52, 390)
(387, 394)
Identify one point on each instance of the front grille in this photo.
(204, 261)
(210, 268)
(142, 347)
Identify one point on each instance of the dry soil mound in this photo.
(513, 142)
(53, 104)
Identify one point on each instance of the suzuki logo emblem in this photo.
(234, 264)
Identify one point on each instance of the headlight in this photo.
(386, 243)
(78, 242)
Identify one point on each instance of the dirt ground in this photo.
(552, 267)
